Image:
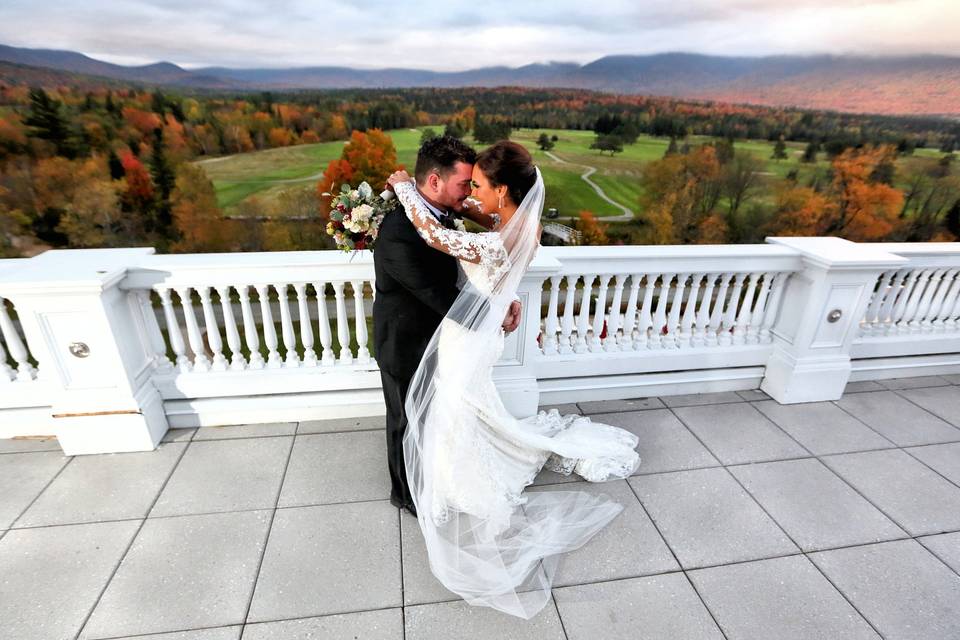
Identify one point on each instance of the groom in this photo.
(415, 287)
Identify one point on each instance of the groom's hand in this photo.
(512, 319)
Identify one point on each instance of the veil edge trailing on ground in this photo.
(506, 557)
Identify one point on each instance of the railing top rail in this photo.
(675, 258)
(945, 253)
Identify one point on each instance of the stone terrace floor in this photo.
(746, 519)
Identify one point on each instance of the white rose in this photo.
(363, 212)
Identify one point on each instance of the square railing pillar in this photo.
(817, 322)
(93, 348)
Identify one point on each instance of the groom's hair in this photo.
(438, 155)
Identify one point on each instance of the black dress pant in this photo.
(394, 394)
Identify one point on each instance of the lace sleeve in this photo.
(482, 248)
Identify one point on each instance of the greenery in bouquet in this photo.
(355, 217)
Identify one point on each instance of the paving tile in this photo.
(217, 633)
(900, 587)
(384, 624)
(342, 424)
(864, 385)
(551, 477)
(693, 399)
(782, 598)
(816, 508)
(953, 378)
(823, 427)
(707, 518)
(945, 546)
(22, 477)
(753, 395)
(183, 573)
(328, 559)
(665, 443)
(940, 401)
(337, 467)
(914, 383)
(112, 486)
(916, 498)
(225, 475)
(738, 433)
(51, 577)
(466, 622)
(612, 406)
(943, 458)
(651, 608)
(420, 586)
(898, 419)
(29, 443)
(627, 547)
(246, 431)
(178, 435)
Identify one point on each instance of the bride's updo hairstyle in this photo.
(508, 164)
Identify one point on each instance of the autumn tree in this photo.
(607, 142)
(196, 215)
(592, 231)
(681, 194)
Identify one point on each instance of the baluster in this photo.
(306, 325)
(742, 320)
(269, 329)
(25, 370)
(600, 314)
(931, 307)
(360, 323)
(343, 326)
(173, 330)
(551, 323)
(672, 339)
(7, 374)
(944, 317)
(645, 321)
(870, 318)
(716, 318)
(213, 330)
(566, 329)
(756, 316)
(913, 304)
(323, 325)
(152, 328)
(896, 294)
(291, 358)
(660, 315)
(952, 317)
(729, 318)
(250, 335)
(630, 317)
(920, 311)
(200, 361)
(770, 312)
(702, 321)
(237, 363)
(612, 343)
(583, 320)
(689, 311)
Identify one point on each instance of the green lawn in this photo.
(256, 174)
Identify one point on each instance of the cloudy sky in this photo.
(430, 34)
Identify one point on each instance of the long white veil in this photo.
(501, 555)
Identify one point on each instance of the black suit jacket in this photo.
(416, 285)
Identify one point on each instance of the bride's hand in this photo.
(397, 177)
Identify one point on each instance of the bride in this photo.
(467, 458)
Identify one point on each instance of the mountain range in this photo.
(914, 85)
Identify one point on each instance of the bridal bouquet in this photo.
(355, 216)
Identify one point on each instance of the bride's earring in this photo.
(500, 202)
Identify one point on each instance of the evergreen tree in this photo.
(780, 150)
(116, 167)
(49, 124)
(544, 142)
(165, 179)
(671, 148)
(428, 134)
(810, 153)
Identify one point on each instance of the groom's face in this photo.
(452, 190)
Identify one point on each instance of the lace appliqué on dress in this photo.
(485, 249)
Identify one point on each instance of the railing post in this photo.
(817, 322)
(514, 374)
(97, 353)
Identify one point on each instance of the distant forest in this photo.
(108, 165)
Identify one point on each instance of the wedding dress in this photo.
(468, 459)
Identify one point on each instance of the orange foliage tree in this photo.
(368, 157)
(681, 193)
(593, 232)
